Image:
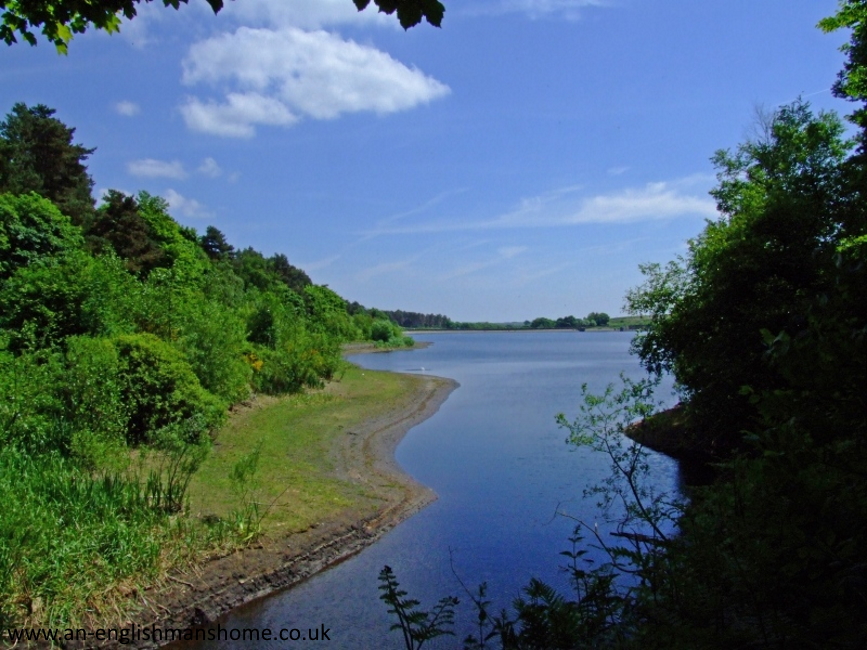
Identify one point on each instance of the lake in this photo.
(502, 470)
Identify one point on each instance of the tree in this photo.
(214, 244)
(37, 155)
(32, 229)
(66, 294)
(58, 20)
(786, 201)
(251, 267)
(291, 276)
(118, 226)
(852, 79)
(543, 323)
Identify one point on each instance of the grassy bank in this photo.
(89, 548)
(298, 480)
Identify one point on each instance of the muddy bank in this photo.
(365, 456)
(669, 432)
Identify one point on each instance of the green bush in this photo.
(161, 390)
(213, 340)
(29, 404)
(32, 228)
(93, 404)
(302, 359)
(68, 295)
(384, 330)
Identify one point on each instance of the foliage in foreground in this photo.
(61, 19)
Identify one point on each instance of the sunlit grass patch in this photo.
(295, 484)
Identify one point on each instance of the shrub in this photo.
(32, 228)
(161, 390)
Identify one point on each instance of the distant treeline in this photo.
(416, 320)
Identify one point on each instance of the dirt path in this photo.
(365, 456)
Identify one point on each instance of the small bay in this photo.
(502, 470)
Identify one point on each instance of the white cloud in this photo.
(281, 75)
(237, 116)
(617, 171)
(309, 14)
(654, 201)
(151, 168)
(127, 109)
(187, 207)
(209, 167)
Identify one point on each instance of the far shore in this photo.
(518, 330)
(361, 455)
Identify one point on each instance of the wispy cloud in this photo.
(127, 109)
(503, 254)
(209, 167)
(508, 252)
(185, 206)
(151, 168)
(562, 9)
(654, 201)
(279, 76)
(320, 264)
(529, 276)
(424, 207)
(384, 268)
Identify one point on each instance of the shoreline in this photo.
(370, 348)
(512, 330)
(365, 456)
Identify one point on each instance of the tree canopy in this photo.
(37, 154)
(852, 79)
(59, 20)
(786, 205)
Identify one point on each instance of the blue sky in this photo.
(521, 161)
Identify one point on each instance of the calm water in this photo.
(501, 468)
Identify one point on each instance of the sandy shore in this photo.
(365, 456)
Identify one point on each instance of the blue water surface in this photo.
(502, 470)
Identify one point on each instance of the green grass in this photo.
(74, 544)
(295, 479)
(70, 541)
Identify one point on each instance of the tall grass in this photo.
(69, 539)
